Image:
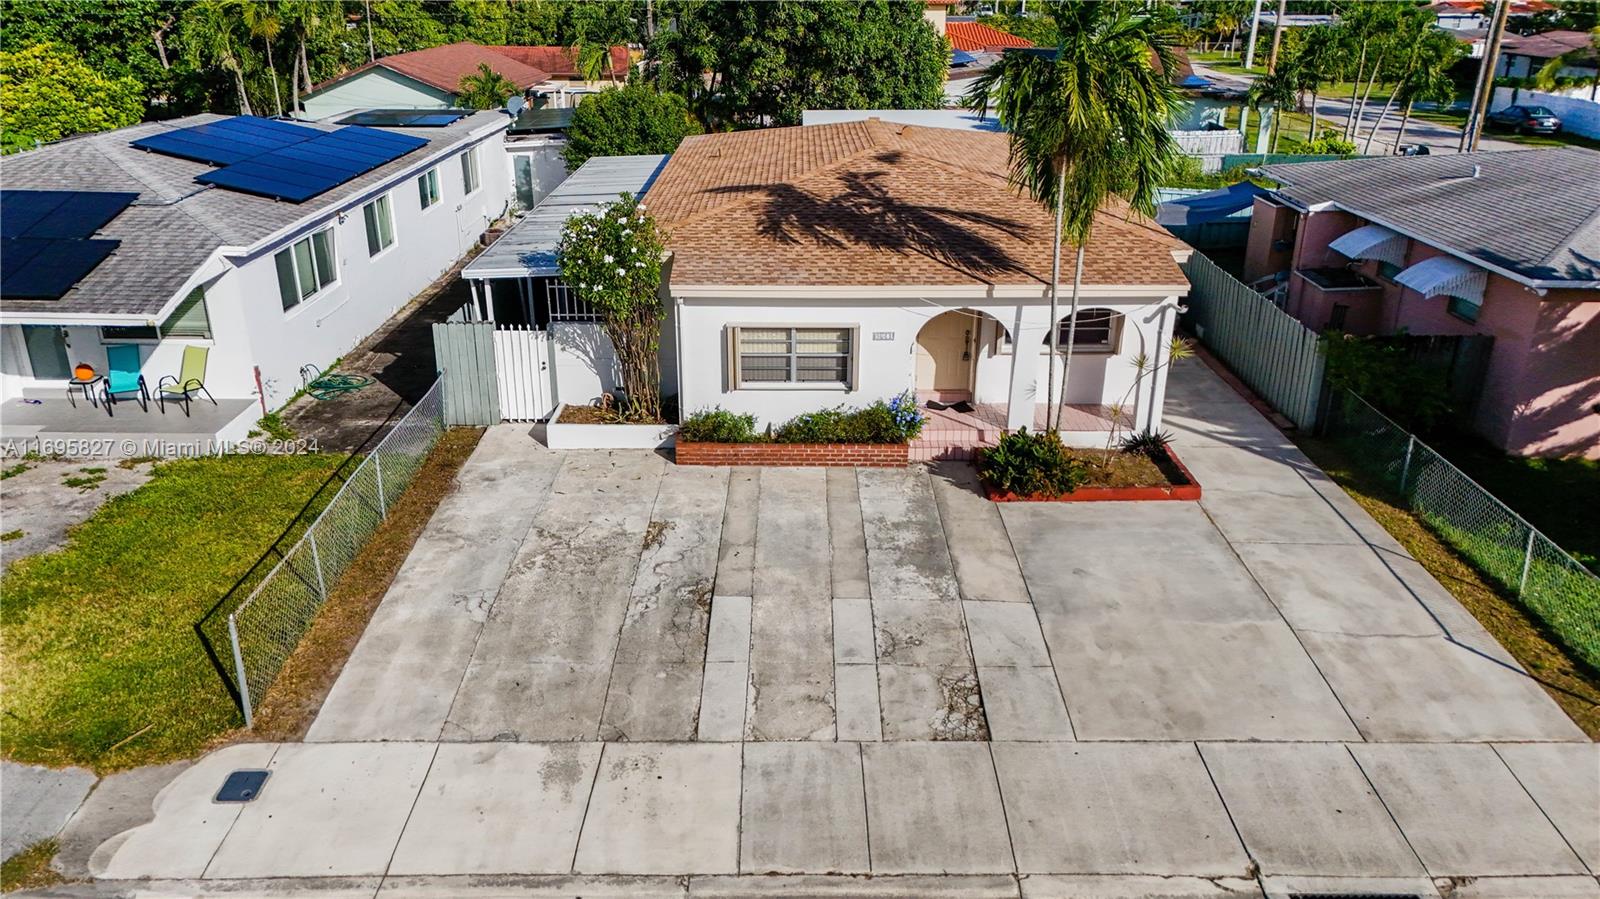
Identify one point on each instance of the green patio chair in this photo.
(122, 376)
(191, 378)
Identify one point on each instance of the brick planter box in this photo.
(793, 455)
(1185, 491)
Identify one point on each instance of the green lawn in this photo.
(103, 666)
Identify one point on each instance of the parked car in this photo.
(1412, 150)
(1526, 119)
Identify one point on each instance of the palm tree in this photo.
(1088, 120)
(1432, 53)
(262, 20)
(1280, 90)
(1546, 77)
(1431, 85)
(1320, 52)
(484, 89)
(208, 32)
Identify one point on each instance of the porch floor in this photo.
(44, 420)
(949, 434)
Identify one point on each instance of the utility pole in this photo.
(1277, 36)
(1255, 24)
(1485, 83)
(372, 55)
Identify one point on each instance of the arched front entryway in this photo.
(944, 357)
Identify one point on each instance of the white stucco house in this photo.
(267, 284)
(843, 263)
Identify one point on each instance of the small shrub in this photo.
(1328, 143)
(1032, 464)
(1147, 442)
(895, 421)
(718, 425)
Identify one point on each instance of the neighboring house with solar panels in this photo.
(274, 244)
(1503, 244)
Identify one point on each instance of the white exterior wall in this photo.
(376, 88)
(885, 367)
(427, 242)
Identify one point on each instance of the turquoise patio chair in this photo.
(190, 378)
(122, 376)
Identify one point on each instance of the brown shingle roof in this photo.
(444, 66)
(562, 62)
(872, 203)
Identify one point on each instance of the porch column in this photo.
(475, 303)
(1028, 328)
(488, 300)
(1155, 391)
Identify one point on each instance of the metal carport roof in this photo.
(528, 249)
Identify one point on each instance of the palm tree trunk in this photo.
(1400, 135)
(1072, 328)
(238, 84)
(277, 98)
(1355, 128)
(1367, 147)
(1361, 69)
(1311, 132)
(294, 84)
(1055, 285)
(305, 67)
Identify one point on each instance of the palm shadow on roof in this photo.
(865, 214)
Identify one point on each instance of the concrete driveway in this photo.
(615, 674)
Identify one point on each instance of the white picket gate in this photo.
(522, 363)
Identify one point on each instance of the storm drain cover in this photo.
(242, 786)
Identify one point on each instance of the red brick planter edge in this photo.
(1189, 491)
(860, 455)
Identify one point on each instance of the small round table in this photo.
(87, 386)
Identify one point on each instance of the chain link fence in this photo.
(1550, 583)
(261, 631)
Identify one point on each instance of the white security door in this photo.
(522, 367)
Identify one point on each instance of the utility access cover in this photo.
(242, 786)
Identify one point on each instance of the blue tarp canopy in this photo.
(1194, 82)
(962, 58)
(1211, 206)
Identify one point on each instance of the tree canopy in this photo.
(627, 121)
(484, 89)
(769, 62)
(47, 93)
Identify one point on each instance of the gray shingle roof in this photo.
(1533, 213)
(176, 223)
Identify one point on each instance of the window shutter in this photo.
(733, 361)
(190, 318)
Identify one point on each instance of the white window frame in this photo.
(323, 286)
(1113, 343)
(388, 212)
(471, 176)
(430, 178)
(735, 375)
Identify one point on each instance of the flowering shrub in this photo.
(611, 258)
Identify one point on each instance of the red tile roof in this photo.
(975, 37)
(443, 67)
(871, 203)
(561, 62)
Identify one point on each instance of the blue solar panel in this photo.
(406, 118)
(227, 141)
(278, 159)
(303, 170)
(44, 269)
(59, 213)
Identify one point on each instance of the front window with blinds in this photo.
(380, 225)
(469, 171)
(305, 268)
(770, 356)
(428, 188)
(189, 320)
(1099, 330)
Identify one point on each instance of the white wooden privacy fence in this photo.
(522, 365)
(494, 372)
(1268, 348)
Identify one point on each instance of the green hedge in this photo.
(894, 421)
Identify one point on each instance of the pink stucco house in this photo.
(1505, 244)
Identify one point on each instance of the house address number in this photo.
(882, 335)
